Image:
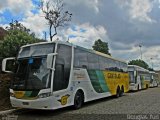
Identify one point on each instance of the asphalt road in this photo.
(142, 105)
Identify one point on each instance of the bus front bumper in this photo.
(40, 103)
(132, 87)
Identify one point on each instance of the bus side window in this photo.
(84, 66)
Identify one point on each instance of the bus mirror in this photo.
(152, 77)
(135, 73)
(50, 60)
(8, 65)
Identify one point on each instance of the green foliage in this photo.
(101, 46)
(140, 63)
(150, 69)
(17, 36)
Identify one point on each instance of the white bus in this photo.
(53, 75)
(139, 78)
(154, 79)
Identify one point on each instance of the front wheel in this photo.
(78, 100)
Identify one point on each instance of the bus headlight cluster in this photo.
(12, 94)
(44, 95)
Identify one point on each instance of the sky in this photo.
(124, 24)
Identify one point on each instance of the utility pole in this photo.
(140, 50)
(45, 36)
(152, 62)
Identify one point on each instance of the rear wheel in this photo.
(147, 86)
(138, 88)
(78, 100)
(118, 93)
(121, 91)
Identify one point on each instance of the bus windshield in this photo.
(131, 75)
(32, 74)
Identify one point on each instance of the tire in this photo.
(78, 100)
(121, 92)
(118, 92)
(138, 88)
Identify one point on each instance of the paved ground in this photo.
(145, 104)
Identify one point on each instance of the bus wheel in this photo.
(78, 99)
(118, 92)
(121, 91)
(146, 86)
(138, 88)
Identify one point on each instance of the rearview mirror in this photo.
(8, 65)
(50, 60)
(135, 73)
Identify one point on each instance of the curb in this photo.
(7, 111)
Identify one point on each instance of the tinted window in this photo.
(62, 68)
(93, 62)
(103, 63)
(80, 59)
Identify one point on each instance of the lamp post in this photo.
(140, 50)
(152, 62)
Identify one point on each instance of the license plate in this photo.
(25, 103)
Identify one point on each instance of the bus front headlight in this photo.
(44, 95)
(12, 94)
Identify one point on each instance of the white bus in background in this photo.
(139, 78)
(53, 75)
(154, 79)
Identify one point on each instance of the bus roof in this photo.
(76, 46)
(137, 68)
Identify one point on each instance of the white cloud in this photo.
(17, 6)
(86, 38)
(37, 23)
(3, 4)
(138, 9)
(92, 4)
(152, 52)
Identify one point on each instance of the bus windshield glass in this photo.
(32, 74)
(131, 75)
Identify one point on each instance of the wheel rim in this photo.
(78, 100)
(122, 91)
(118, 92)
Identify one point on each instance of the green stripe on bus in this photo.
(27, 93)
(102, 81)
(34, 93)
(31, 93)
(94, 81)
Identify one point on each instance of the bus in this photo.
(139, 78)
(154, 79)
(52, 75)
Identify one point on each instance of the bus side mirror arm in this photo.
(50, 60)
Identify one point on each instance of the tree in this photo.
(3, 32)
(150, 69)
(15, 38)
(140, 63)
(101, 46)
(55, 15)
